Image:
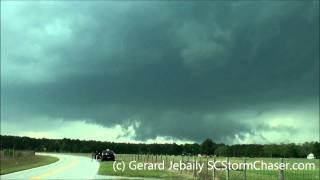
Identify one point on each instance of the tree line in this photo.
(207, 147)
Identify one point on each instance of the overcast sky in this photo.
(182, 71)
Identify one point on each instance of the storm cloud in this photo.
(184, 70)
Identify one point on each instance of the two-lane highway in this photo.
(68, 167)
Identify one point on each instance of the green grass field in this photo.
(9, 165)
(107, 169)
(310, 174)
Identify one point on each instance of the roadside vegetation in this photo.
(20, 160)
(106, 168)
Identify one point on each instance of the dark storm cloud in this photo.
(179, 69)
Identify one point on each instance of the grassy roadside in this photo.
(107, 169)
(306, 174)
(11, 165)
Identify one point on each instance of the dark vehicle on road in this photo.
(107, 155)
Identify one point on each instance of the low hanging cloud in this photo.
(183, 70)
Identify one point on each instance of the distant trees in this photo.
(191, 148)
(222, 151)
(208, 147)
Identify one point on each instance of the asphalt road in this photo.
(68, 167)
